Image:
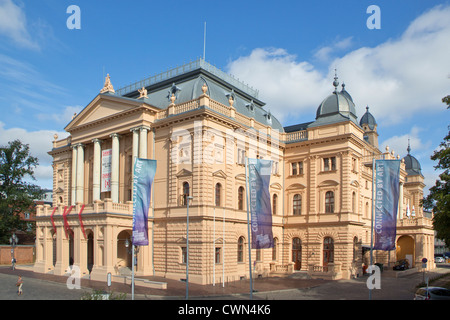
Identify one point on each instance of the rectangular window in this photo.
(241, 156)
(217, 255)
(329, 164)
(275, 167)
(183, 255)
(297, 168)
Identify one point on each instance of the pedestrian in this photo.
(19, 284)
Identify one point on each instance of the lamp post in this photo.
(133, 251)
(13, 240)
(188, 198)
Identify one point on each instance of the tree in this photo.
(16, 195)
(438, 199)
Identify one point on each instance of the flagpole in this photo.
(214, 248)
(223, 257)
(132, 271)
(248, 230)
(371, 220)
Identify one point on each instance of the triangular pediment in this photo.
(184, 173)
(220, 174)
(102, 107)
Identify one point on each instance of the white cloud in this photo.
(397, 79)
(62, 118)
(286, 85)
(13, 24)
(326, 53)
(40, 143)
(399, 143)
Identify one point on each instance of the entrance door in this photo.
(328, 251)
(297, 253)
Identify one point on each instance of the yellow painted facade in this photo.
(321, 188)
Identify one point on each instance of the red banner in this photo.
(81, 221)
(51, 218)
(66, 224)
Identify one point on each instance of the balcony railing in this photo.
(98, 206)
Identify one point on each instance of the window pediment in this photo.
(184, 173)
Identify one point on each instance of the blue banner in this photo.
(143, 174)
(259, 203)
(387, 176)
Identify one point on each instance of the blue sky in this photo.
(288, 50)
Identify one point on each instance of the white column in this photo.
(400, 202)
(97, 169)
(74, 174)
(143, 142)
(80, 173)
(115, 168)
(135, 142)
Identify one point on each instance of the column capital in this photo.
(97, 140)
(144, 128)
(78, 145)
(114, 135)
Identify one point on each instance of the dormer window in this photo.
(268, 117)
(251, 107)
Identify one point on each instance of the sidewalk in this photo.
(177, 289)
(278, 288)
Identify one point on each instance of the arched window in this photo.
(329, 202)
(355, 248)
(297, 205)
(367, 210)
(185, 195)
(240, 250)
(241, 198)
(275, 249)
(354, 202)
(297, 253)
(274, 203)
(218, 190)
(328, 250)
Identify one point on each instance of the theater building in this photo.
(200, 124)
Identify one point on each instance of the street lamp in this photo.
(133, 251)
(13, 240)
(188, 198)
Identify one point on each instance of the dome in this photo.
(338, 103)
(412, 165)
(368, 119)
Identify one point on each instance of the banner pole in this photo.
(214, 248)
(133, 248)
(223, 258)
(371, 220)
(248, 230)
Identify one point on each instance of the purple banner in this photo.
(143, 174)
(387, 175)
(259, 203)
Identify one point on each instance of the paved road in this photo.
(36, 289)
(391, 289)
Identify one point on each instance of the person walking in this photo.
(19, 284)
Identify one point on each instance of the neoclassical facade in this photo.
(200, 124)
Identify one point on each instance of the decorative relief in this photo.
(107, 87)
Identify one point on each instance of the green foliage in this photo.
(438, 199)
(16, 195)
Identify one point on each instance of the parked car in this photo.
(440, 260)
(401, 265)
(432, 293)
